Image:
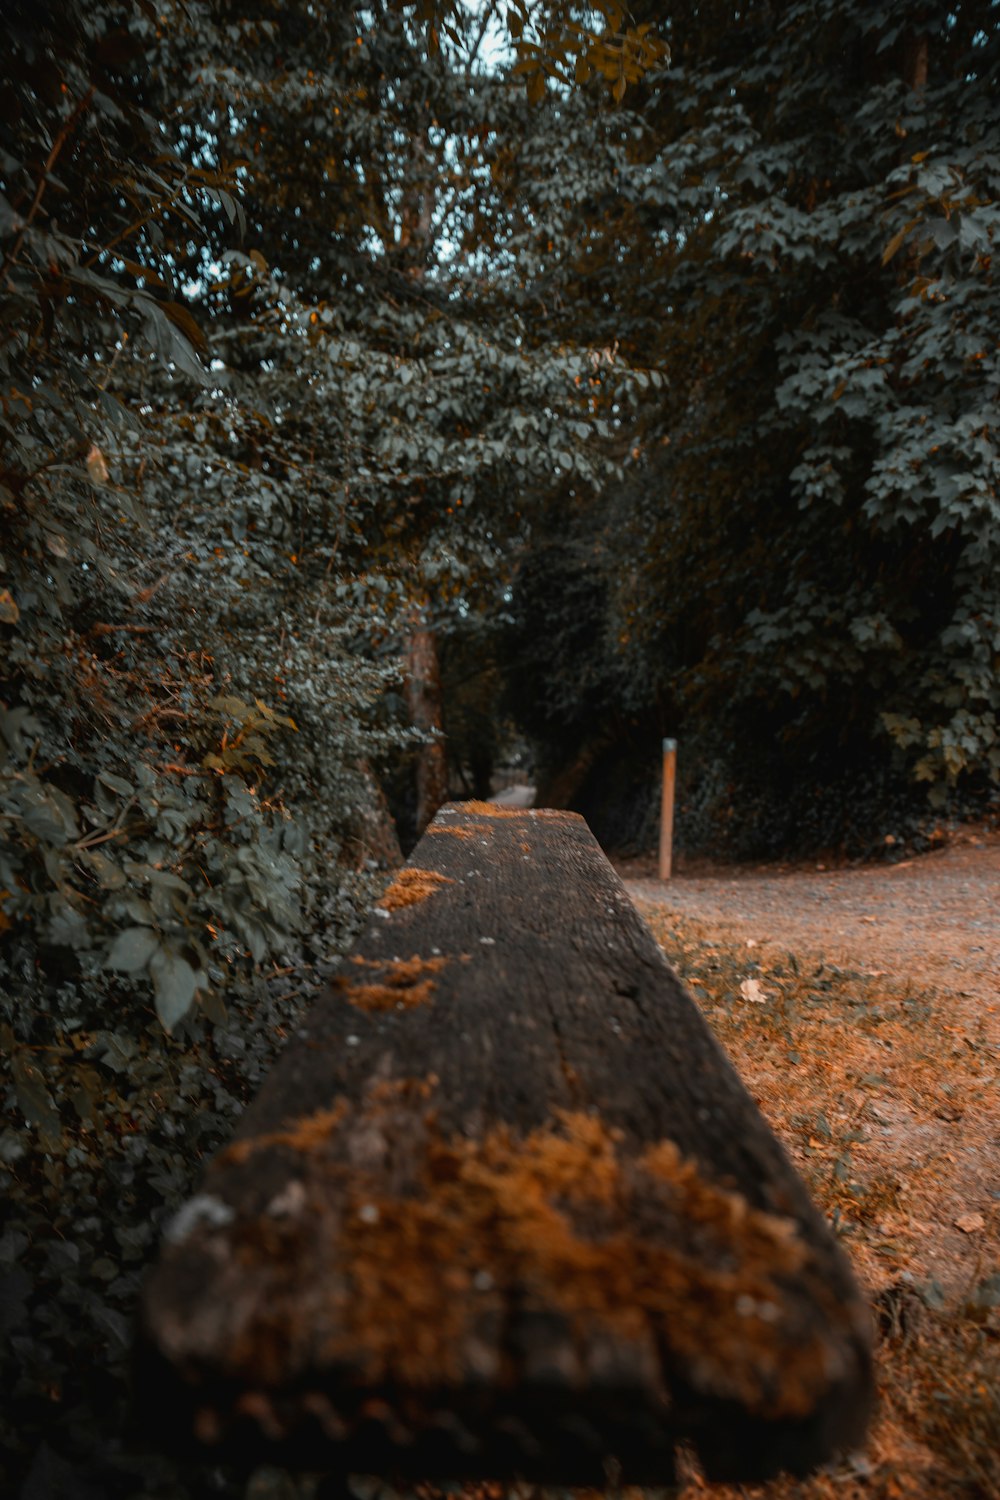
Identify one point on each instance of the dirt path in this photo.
(921, 939)
(932, 920)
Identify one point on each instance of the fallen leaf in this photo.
(969, 1223)
(752, 990)
(96, 467)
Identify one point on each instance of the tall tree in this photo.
(402, 368)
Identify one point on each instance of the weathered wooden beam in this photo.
(504, 1207)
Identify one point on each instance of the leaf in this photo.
(174, 985)
(115, 1324)
(9, 612)
(227, 703)
(162, 326)
(87, 1094)
(96, 466)
(109, 877)
(116, 783)
(33, 1098)
(42, 817)
(895, 242)
(752, 990)
(536, 87)
(269, 713)
(15, 724)
(214, 1007)
(132, 949)
(184, 321)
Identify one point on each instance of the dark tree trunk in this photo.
(375, 827)
(423, 698)
(916, 54)
(560, 787)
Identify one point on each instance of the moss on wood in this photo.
(410, 887)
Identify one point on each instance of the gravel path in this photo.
(932, 920)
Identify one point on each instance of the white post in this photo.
(667, 808)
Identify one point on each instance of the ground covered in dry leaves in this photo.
(861, 1008)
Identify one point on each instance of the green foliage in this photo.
(274, 382)
(137, 826)
(802, 564)
(104, 1123)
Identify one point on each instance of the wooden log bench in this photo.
(503, 1208)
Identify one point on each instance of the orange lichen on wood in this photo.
(304, 1134)
(512, 1205)
(497, 810)
(387, 996)
(732, 1292)
(403, 970)
(405, 983)
(396, 1091)
(410, 886)
(454, 829)
(727, 1214)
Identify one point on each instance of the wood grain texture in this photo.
(504, 1208)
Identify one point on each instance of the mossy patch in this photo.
(411, 886)
(403, 983)
(304, 1134)
(497, 810)
(395, 1282)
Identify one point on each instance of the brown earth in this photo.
(861, 1006)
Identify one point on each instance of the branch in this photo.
(102, 629)
(488, 15)
(69, 126)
